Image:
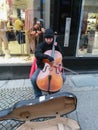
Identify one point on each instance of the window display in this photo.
(17, 44)
(13, 44)
(88, 45)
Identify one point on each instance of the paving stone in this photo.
(86, 93)
(85, 81)
(3, 83)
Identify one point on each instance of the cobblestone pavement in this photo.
(12, 91)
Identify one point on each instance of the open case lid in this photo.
(44, 106)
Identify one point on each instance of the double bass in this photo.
(50, 78)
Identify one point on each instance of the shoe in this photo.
(37, 96)
(7, 54)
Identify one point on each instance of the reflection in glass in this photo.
(88, 44)
(16, 42)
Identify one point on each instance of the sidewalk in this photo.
(84, 86)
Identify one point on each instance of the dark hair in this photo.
(49, 33)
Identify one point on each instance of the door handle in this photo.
(67, 31)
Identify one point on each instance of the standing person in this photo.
(10, 30)
(18, 28)
(3, 39)
(95, 45)
(35, 34)
(83, 38)
(35, 20)
(39, 54)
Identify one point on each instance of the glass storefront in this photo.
(88, 35)
(18, 51)
(87, 45)
(76, 22)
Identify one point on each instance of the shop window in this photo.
(88, 42)
(16, 49)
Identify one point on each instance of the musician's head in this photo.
(49, 35)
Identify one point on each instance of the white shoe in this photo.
(7, 54)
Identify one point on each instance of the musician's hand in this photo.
(50, 58)
(55, 43)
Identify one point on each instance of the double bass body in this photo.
(50, 78)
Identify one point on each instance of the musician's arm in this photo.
(40, 55)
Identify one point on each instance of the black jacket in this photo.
(39, 53)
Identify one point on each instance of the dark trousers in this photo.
(37, 91)
(19, 36)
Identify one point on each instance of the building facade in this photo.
(76, 25)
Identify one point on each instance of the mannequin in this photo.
(96, 38)
(3, 39)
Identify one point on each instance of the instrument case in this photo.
(44, 113)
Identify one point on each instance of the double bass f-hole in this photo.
(50, 69)
(45, 68)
